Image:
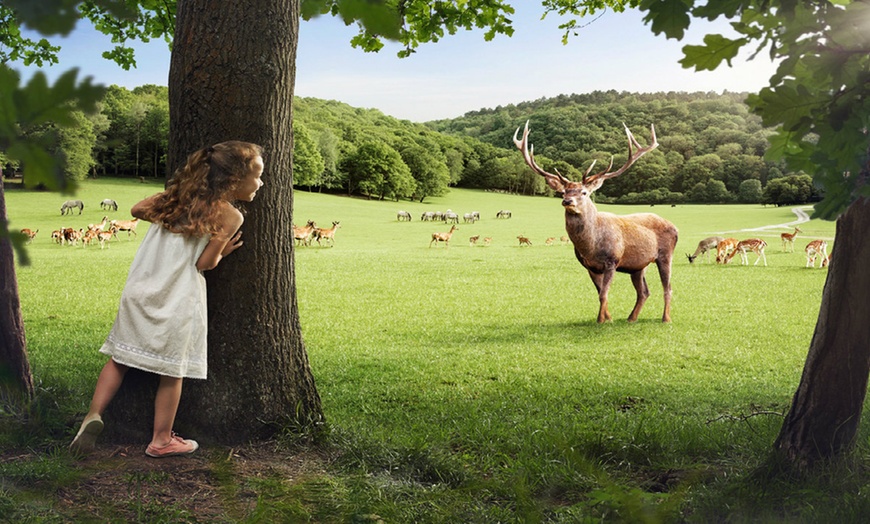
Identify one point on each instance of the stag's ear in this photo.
(555, 183)
(593, 183)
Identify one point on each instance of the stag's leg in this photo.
(639, 281)
(602, 284)
(664, 266)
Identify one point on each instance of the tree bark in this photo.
(824, 415)
(16, 381)
(231, 77)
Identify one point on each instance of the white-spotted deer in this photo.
(443, 237)
(788, 239)
(606, 243)
(814, 249)
(756, 245)
(704, 247)
(724, 249)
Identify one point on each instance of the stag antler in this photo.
(632, 157)
(529, 157)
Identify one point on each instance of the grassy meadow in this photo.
(472, 383)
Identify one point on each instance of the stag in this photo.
(606, 243)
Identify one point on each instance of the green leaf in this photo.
(670, 17)
(707, 57)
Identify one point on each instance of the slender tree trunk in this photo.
(231, 77)
(16, 381)
(824, 415)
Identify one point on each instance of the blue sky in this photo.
(462, 72)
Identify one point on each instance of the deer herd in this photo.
(727, 248)
(100, 233)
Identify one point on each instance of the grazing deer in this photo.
(126, 225)
(302, 235)
(443, 237)
(756, 245)
(473, 240)
(606, 243)
(704, 247)
(788, 239)
(29, 233)
(487, 241)
(550, 241)
(327, 234)
(564, 240)
(814, 249)
(524, 241)
(724, 249)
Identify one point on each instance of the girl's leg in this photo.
(107, 385)
(163, 442)
(165, 407)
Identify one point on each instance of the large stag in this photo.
(606, 243)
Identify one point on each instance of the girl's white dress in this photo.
(162, 319)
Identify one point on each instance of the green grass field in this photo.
(472, 384)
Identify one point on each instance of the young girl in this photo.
(161, 323)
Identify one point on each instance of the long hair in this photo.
(189, 203)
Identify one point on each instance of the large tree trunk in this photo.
(824, 415)
(231, 77)
(16, 381)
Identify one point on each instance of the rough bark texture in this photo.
(16, 381)
(824, 416)
(231, 78)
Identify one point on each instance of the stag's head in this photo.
(576, 195)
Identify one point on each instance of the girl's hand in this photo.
(234, 244)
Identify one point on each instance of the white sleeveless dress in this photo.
(162, 318)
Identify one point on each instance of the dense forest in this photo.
(711, 147)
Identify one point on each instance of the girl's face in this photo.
(247, 189)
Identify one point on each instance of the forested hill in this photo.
(711, 147)
(708, 141)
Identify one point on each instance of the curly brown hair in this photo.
(188, 205)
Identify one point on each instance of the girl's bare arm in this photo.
(224, 242)
(142, 209)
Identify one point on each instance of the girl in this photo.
(161, 323)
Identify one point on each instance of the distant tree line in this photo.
(712, 149)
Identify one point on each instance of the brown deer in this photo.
(788, 239)
(326, 234)
(724, 249)
(125, 225)
(524, 241)
(756, 245)
(606, 243)
(302, 235)
(29, 233)
(443, 237)
(814, 249)
(704, 247)
(472, 241)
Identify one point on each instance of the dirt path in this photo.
(800, 213)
